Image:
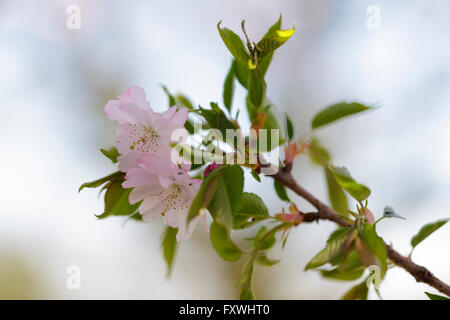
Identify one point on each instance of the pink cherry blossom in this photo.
(166, 190)
(141, 130)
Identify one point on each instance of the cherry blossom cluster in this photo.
(160, 180)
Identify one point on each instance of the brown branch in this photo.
(325, 212)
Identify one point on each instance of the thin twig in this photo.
(325, 212)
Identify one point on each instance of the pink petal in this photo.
(139, 177)
(128, 160)
(135, 95)
(168, 114)
(165, 182)
(141, 192)
(180, 117)
(114, 113)
(136, 114)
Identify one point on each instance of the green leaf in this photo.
(256, 89)
(184, 101)
(255, 175)
(281, 191)
(137, 216)
(116, 200)
(241, 72)
(220, 206)
(270, 123)
(227, 194)
(427, 230)
(228, 89)
(245, 283)
(101, 181)
(332, 250)
(263, 260)
(233, 177)
(336, 194)
(337, 111)
(318, 154)
(272, 30)
(264, 240)
(344, 179)
(205, 194)
(172, 100)
(343, 276)
(273, 39)
(376, 245)
(169, 247)
(265, 63)
(289, 127)
(189, 126)
(234, 44)
(222, 243)
(246, 293)
(435, 296)
(251, 210)
(112, 154)
(358, 292)
(351, 262)
(217, 119)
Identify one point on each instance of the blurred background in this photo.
(55, 81)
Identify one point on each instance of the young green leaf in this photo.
(344, 179)
(189, 126)
(263, 260)
(318, 154)
(336, 194)
(116, 200)
(281, 191)
(245, 283)
(228, 89)
(333, 249)
(217, 119)
(222, 243)
(264, 240)
(289, 127)
(172, 100)
(205, 194)
(427, 230)
(358, 292)
(256, 89)
(255, 175)
(111, 153)
(337, 111)
(272, 123)
(351, 262)
(234, 44)
(435, 296)
(273, 39)
(343, 276)
(375, 244)
(265, 63)
(227, 194)
(272, 30)
(169, 247)
(241, 72)
(184, 101)
(246, 293)
(251, 210)
(101, 181)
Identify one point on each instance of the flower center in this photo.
(144, 138)
(171, 198)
